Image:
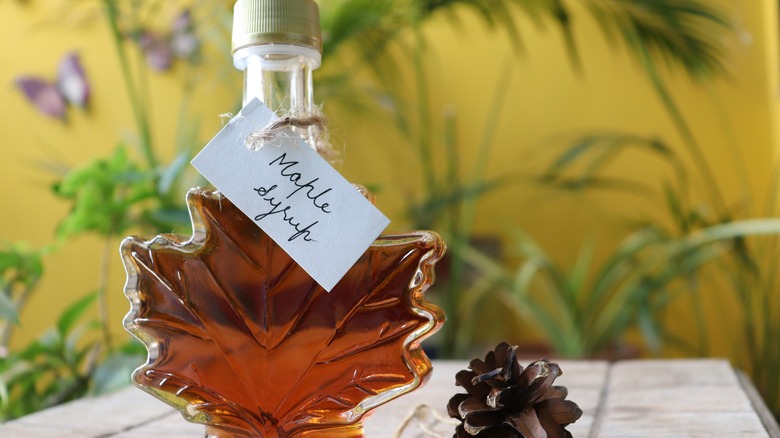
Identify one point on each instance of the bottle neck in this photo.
(281, 78)
(282, 82)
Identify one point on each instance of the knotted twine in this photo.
(315, 123)
(429, 424)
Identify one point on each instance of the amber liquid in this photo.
(243, 340)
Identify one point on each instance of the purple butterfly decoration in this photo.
(180, 43)
(52, 98)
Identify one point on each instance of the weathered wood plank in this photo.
(681, 425)
(89, 417)
(687, 398)
(639, 374)
(23, 431)
(676, 398)
(694, 399)
(760, 406)
(585, 381)
(169, 426)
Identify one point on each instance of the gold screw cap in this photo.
(292, 22)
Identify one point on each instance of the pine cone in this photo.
(504, 400)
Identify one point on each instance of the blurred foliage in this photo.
(757, 291)
(61, 366)
(21, 269)
(132, 189)
(65, 362)
(102, 194)
(683, 34)
(51, 370)
(701, 241)
(586, 310)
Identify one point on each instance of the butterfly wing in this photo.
(158, 53)
(44, 95)
(72, 81)
(184, 42)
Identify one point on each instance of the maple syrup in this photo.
(240, 337)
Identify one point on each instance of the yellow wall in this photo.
(34, 37)
(734, 120)
(544, 99)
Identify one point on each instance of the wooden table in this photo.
(653, 398)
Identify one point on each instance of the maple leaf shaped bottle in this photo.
(240, 338)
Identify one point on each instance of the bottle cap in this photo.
(284, 22)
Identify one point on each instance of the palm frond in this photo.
(685, 33)
(682, 33)
(369, 27)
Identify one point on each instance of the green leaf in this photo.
(593, 152)
(8, 309)
(684, 33)
(729, 231)
(39, 347)
(579, 273)
(70, 185)
(132, 347)
(428, 213)
(114, 372)
(9, 259)
(72, 314)
(171, 173)
(119, 161)
(168, 218)
(4, 398)
(103, 194)
(25, 264)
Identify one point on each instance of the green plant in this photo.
(52, 370)
(732, 247)
(21, 269)
(581, 311)
(133, 188)
(108, 196)
(587, 310)
(684, 34)
(760, 323)
(62, 365)
(66, 362)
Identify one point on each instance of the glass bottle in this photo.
(278, 45)
(240, 338)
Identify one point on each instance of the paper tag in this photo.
(293, 194)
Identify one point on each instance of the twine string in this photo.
(315, 122)
(427, 420)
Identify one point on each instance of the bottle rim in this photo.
(241, 56)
